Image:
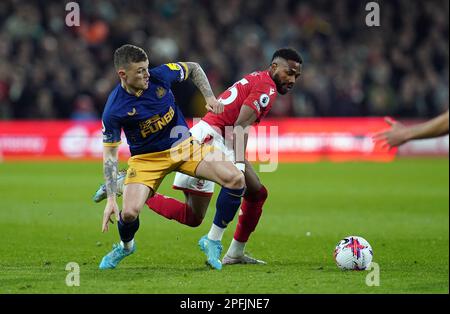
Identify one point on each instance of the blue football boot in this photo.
(114, 257)
(212, 249)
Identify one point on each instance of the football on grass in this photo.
(353, 253)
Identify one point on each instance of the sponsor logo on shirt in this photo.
(132, 112)
(156, 123)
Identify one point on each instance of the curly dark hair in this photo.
(288, 54)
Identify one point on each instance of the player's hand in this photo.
(110, 209)
(395, 136)
(213, 105)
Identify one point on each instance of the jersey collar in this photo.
(137, 94)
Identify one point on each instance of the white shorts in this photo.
(203, 132)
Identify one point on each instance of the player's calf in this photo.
(251, 208)
(228, 202)
(251, 211)
(172, 208)
(126, 247)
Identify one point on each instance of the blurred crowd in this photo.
(401, 68)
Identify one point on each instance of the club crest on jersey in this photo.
(264, 100)
(200, 184)
(160, 92)
(131, 173)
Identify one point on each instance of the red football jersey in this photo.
(256, 90)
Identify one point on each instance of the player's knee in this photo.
(234, 180)
(195, 222)
(129, 214)
(262, 194)
(257, 196)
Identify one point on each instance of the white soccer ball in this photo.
(353, 253)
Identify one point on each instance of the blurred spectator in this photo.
(400, 68)
(84, 109)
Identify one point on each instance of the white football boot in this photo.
(244, 259)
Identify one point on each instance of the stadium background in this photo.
(51, 71)
(399, 68)
(53, 76)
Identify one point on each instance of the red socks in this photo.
(173, 209)
(248, 219)
(251, 212)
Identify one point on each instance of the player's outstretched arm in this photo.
(110, 167)
(200, 80)
(399, 134)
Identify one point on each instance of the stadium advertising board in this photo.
(288, 140)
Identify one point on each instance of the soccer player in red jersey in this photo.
(245, 104)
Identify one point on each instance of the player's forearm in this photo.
(241, 131)
(433, 128)
(245, 120)
(110, 169)
(240, 146)
(200, 80)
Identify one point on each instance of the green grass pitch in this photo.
(47, 219)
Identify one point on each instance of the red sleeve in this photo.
(260, 98)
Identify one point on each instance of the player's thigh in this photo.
(252, 181)
(215, 167)
(134, 197)
(190, 184)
